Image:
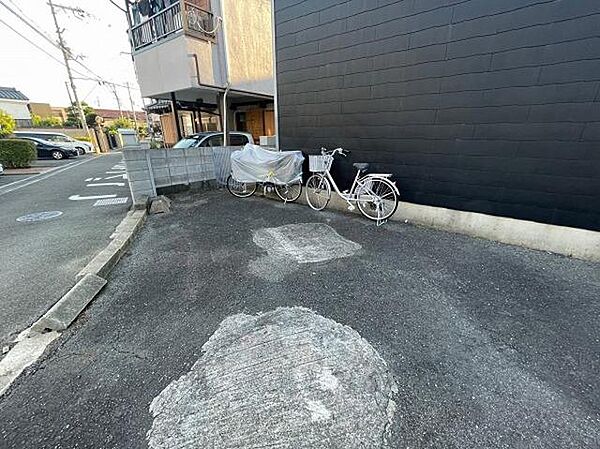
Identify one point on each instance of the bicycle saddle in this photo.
(361, 166)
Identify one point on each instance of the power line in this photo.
(25, 19)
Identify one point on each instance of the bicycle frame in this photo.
(350, 195)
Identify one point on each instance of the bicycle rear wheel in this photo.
(240, 189)
(318, 191)
(289, 192)
(376, 198)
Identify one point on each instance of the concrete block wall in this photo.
(150, 169)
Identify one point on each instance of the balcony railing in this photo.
(194, 21)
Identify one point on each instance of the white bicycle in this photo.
(375, 193)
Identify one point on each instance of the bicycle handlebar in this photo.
(325, 151)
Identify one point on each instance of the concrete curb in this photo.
(106, 259)
(68, 308)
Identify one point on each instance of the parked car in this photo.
(214, 139)
(56, 137)
(54, 150)
(1, 169)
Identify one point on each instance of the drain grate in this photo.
(39, 216)
(111, 201)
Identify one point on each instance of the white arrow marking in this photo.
(89, 179)
(113, 172)
(91, 197)
(100, 184)
(122, 176)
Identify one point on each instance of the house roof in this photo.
(10, 93)
(113, 113)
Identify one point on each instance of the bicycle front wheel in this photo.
(376, 198)
(318, 191)
(240, 189)
(289, 192)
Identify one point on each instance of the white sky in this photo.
(100, 38)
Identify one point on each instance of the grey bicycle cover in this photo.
(254, 163)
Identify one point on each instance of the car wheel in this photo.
(58, 155)
(80, 151)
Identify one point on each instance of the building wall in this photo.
(18, 109)
(478, 105)
(250, 44)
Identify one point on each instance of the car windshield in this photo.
(186, 142)
(61, 139)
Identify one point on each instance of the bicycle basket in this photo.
(319, 163)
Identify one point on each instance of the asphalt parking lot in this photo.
(433, 339)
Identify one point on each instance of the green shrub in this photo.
(83, 138)
(17, 153)
(7, 124)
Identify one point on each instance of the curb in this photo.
(32, 342)
(106, 259)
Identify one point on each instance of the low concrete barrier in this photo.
(149, 170)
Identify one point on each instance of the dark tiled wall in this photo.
(481, 105)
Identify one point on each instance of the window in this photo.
(188, 142)
(214, 141)
(237, 140)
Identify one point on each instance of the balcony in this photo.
(184, 15)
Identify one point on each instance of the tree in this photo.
(7, 124)
(45, 122)
(121, 122)
(73, 114)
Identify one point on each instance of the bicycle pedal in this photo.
(351, 207)
(345, 191)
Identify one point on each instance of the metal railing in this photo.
(182, 15)
(199, 20)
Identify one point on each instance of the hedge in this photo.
(17, 153)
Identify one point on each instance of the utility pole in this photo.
(65, 53)
(114, 91)
(131, 101)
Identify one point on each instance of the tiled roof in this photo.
(113, 113)
(10, 93)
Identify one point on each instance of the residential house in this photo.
(45, 110)
(14, 102)
(482, 106)
(206, 63)
(110, 115)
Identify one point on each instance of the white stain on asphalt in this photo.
(300, 243)
(288, 378)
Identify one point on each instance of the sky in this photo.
(100, 40)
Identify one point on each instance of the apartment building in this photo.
(207, 63)
(474, 105)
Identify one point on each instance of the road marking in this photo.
(93, 179)
(39, 216)
(90, 197)
(287, 378)
(41, 177)
(111, 201)
(122, 176)
(100, 184)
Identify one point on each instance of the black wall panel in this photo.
(479, 105)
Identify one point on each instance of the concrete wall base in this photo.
(572, 242)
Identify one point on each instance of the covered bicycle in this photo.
(279, 171)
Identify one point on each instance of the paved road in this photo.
(39, 260)
(489, 345)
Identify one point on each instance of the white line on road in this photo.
(122, 176)
(41, 177)
(100, 184)
(111, 201)
(90, 197)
